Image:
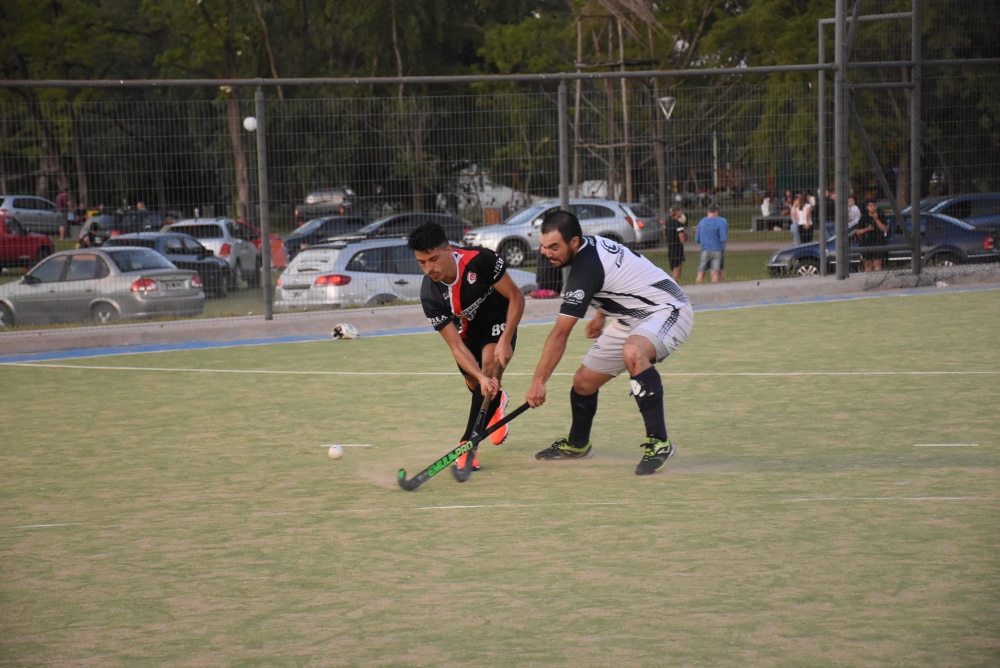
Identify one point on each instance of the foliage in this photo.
(45, 131)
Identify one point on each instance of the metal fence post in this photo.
(563, 148)
(264, 204)
(916, 72)
(840, 139)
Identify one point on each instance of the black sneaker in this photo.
(654, 457)
(561, 449)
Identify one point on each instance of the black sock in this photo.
(647, 388)
(584, 408)
(475, 404)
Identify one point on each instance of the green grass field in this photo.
(177, 509)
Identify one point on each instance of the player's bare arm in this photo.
(555, 346)
(466, 361)
(596, 326)
(515, 309)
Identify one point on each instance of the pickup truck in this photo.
(19, 247)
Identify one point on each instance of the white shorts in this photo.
(666, 330)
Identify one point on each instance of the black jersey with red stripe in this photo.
(471, 302)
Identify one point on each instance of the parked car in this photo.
(101, 285)
(978, 209)
(647, 224)
(19, 247)
(229, 241)
(36, 214)
(516, 239)
(320, 230)
(399, 225)
(944, 242)
(324, 202)
(185, 252)
(364, 273)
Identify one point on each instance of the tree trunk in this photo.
(243, 203)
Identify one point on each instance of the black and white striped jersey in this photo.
(619, 282)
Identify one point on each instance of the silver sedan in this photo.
(101, 285)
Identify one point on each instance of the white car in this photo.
(228, 240)
(516, 239)
(36, 214)
(364, 273)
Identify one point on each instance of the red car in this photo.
(278, 260)
(19, 247)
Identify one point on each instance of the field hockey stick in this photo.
(416, 481)
(462, 473)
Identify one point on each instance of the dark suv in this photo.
(400, 224)
(318, 230)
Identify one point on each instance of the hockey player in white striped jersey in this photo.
(642, 317)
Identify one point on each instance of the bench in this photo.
(768, 223)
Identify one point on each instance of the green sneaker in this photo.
(561, 449)
(655, 455)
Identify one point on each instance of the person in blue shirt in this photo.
(711, 234)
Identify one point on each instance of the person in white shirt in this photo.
(853, 213)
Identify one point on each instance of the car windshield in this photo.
(374, 225)
(138, 259)
(200, 231)
(641, 210)
(310, 226)
(526, 215)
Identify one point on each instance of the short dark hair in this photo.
(427, 236)
(565, 222)
(713, 207)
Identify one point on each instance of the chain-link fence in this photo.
(473, 155)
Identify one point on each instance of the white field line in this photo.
(530, 506)
(885, 498)
(348, 445)
(777, 374)
(946, 445)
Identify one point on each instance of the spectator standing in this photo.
(806, 218)
(712, 233)
(853, 213)
(786, 203)
(676, 233)
(871, 234)
(62, 208)
(795, 212)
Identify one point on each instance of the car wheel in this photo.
(6, 317)
(381, 300)
(807, 266)
(103, 313)
(42, 253)
(254, 280)
(513, 253)
(943, 260)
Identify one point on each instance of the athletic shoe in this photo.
(460, 462)
(500, 435)
(561, 449)
(655, 455)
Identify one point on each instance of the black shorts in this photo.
(476, 341)
(675, 255)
